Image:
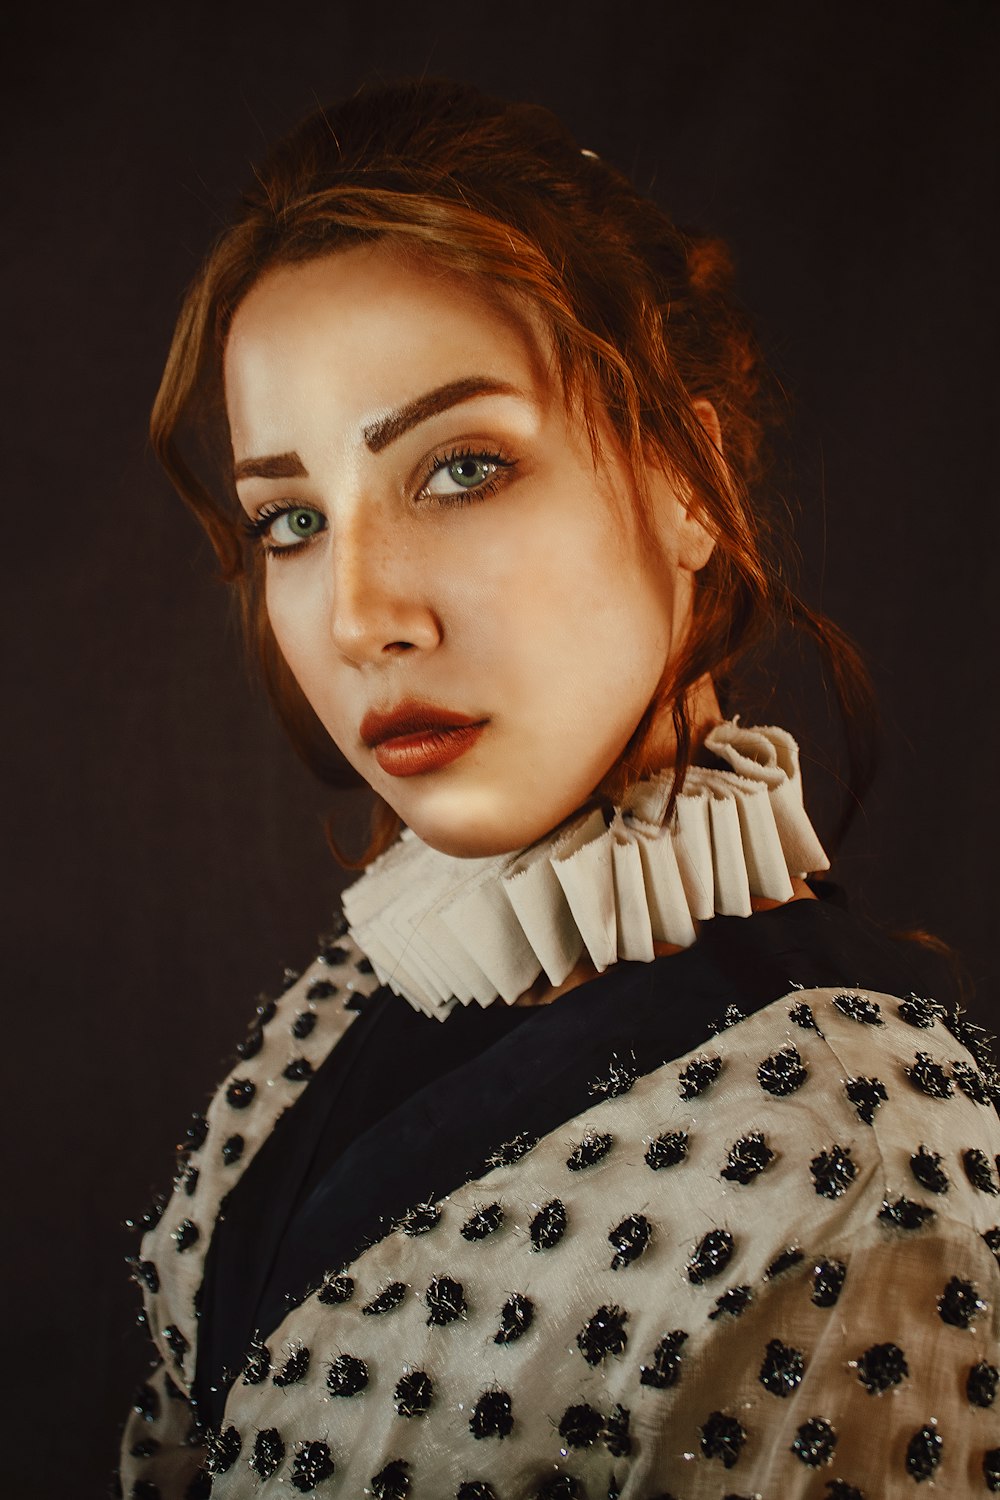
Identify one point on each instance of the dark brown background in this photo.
(167, 857)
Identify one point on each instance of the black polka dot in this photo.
(629, 1240)
(783, 1072)
(970, 1082)
(199, 1486)
(509, 1152)
(722, 1437)
(223, 1450)
(867, 1095)
(303, 1024)
(959, 1303)
(483, 1222)
(619, 1079)
(475, 1489)
(240, 1093)
(603, 1334)
(299, 1070)
(992, 1238)
(146, 1403)
(336, 1288)
(257, 1365)
(413, 1394)
(833, 1171)
(732, 1303)
(991, 1470)
(232, 1150)
(516, 1317)
(388, 1298)
(145, 1489)
(782, 1368)
(979, 1170)
(312, 1464)
(802, 1015)
(615, 1433)
(927, 1169)
(859, 1008)
(492, 1415)
(881, 1367)
(347, 1376)
(664, 1368)
(419, 1219)
(750, 1156)
(667, 1150)
(250, 1044)
(332, 954)
(593, 1148)
(196, 1132)
(580, 1425)
(731, 1016)
(905, 1214)
(929, 1077)
(145, 1448)
(295, 1368)
(190, 1180)
(559, 1487)
(268, 1452)
(981, 1384)
(814, 1442)
(711, 1256)
(548, 1226)
(146, 1272)
(923, 1453)
(828, 1282)
(793, 1256)
(321, 989)
(392, 1482)
(175, 1341)
(698, 1076)
(445, 1300)
(916, 1011)
(839, 1489)
(185, 1235)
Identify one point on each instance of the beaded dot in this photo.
(667, 1150)
(145, 1489)
(979, 1170)
(295, 1368)
(992, 1238)
(240, 1093)
(839, 1489)
(711, 1257)
(392, 1482)
(146, 1272)
(548, 1226)
(664, 1369)
(814, 1442)
(388, 1298)
(146, 1448)
(698, 1076)
(991, 1470)
(593, 1148)
(921, 1013)
(312, 1464)
(185, 1235)
(475, 1489)
(959, 1303)
(146, 1403)
(929, 1077)
(927, 1169)
(321, 989)
(509, 1152)
(196, 1132)
(559, 1487)
(722, 1437)
(175, 1342)
(905, 1214)
(257, 1366)
(268, 1452)
(731, 1016)
(347, 1376)
(334, 955)
(783, 1072)
(828, 1282)
(419, 1219)
(788, 1258)
(803, 1017)
(516, 1317)
(615, 1434)
(867, 1095)
(970, 1082)
(336, 1288)
(303, 1024)
(750, 1156)
(923, 1453)
(299, 1070)
(413, 1394)
(492, 1415)
(445, 1300)
(859, 1008)
(483, 1222)
(782, 1368)
(224, 1449)
(981, 1384)
(881, 1367)
(732, 1303)
(603, 1334)
(199, 1486)
(833, 1171)
(190, 1181)
(580, 1425)
(619, 1079)
(232, 1149)
(250, 1044)
(630, 1239)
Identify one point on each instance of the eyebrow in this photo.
(379, 435)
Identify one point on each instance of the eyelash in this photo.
(259, 528)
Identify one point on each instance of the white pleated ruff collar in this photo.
(442, 931)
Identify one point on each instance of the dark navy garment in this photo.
(407, 1108)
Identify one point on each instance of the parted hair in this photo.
(643, 322)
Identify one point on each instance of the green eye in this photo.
(469, 472)
(299, 524)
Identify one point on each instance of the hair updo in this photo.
(643, 325)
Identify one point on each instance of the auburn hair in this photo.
(643, 324)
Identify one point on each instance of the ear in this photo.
(695, 542)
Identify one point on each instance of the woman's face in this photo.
(462, 595)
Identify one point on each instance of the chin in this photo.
(473, 826)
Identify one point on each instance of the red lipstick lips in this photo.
(416, 737)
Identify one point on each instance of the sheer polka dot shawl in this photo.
(768, 1268)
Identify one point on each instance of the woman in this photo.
(707, 1207)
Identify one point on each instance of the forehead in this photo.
(367, 328)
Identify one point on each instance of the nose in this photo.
(379, 603)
